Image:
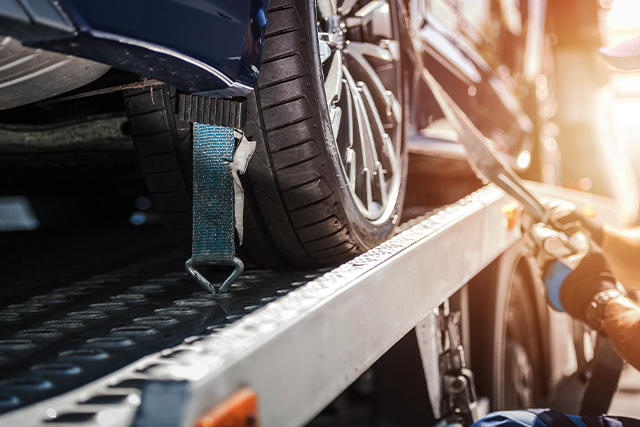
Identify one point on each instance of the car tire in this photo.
(319, 189)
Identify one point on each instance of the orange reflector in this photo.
(239, 410)
(589, 211)
(513, 214)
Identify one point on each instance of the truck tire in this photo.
(328, 176)
(507, 345)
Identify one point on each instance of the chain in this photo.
(459, 401)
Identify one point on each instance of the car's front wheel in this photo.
(327, 179)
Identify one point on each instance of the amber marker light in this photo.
(238, 410)
(513, 212)
(589, 211)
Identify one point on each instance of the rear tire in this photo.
(506, 342)
(311, 199)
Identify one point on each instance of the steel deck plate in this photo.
(298, 352)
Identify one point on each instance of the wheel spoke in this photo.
(372, 110)
(350, 156)
(393, 47)
(364, 15)
(369, 190)
(384, 194)
(327, 8)
(386, 146)
(335, 115)
(357, 50)
(347, 6)
(349, 113)
(382, 146)
(391, 153)
(364, 129)
(351, 168)
(367, 145)
(333, 80)
(360, 49)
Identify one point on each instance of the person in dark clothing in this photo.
(584, 285)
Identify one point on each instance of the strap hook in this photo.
(208, 286)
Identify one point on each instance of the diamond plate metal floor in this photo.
(58, 334)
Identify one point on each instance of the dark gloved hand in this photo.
(565, 217)
(573, 281)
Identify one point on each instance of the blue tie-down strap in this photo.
(214, 203)
(213, 197)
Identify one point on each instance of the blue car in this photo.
(327, 89)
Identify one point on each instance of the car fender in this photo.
(210, 47)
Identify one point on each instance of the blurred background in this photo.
(618, 113)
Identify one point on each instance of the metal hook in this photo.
(224, 287)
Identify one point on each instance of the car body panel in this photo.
(198, 46)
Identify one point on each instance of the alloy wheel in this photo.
(360, 55)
